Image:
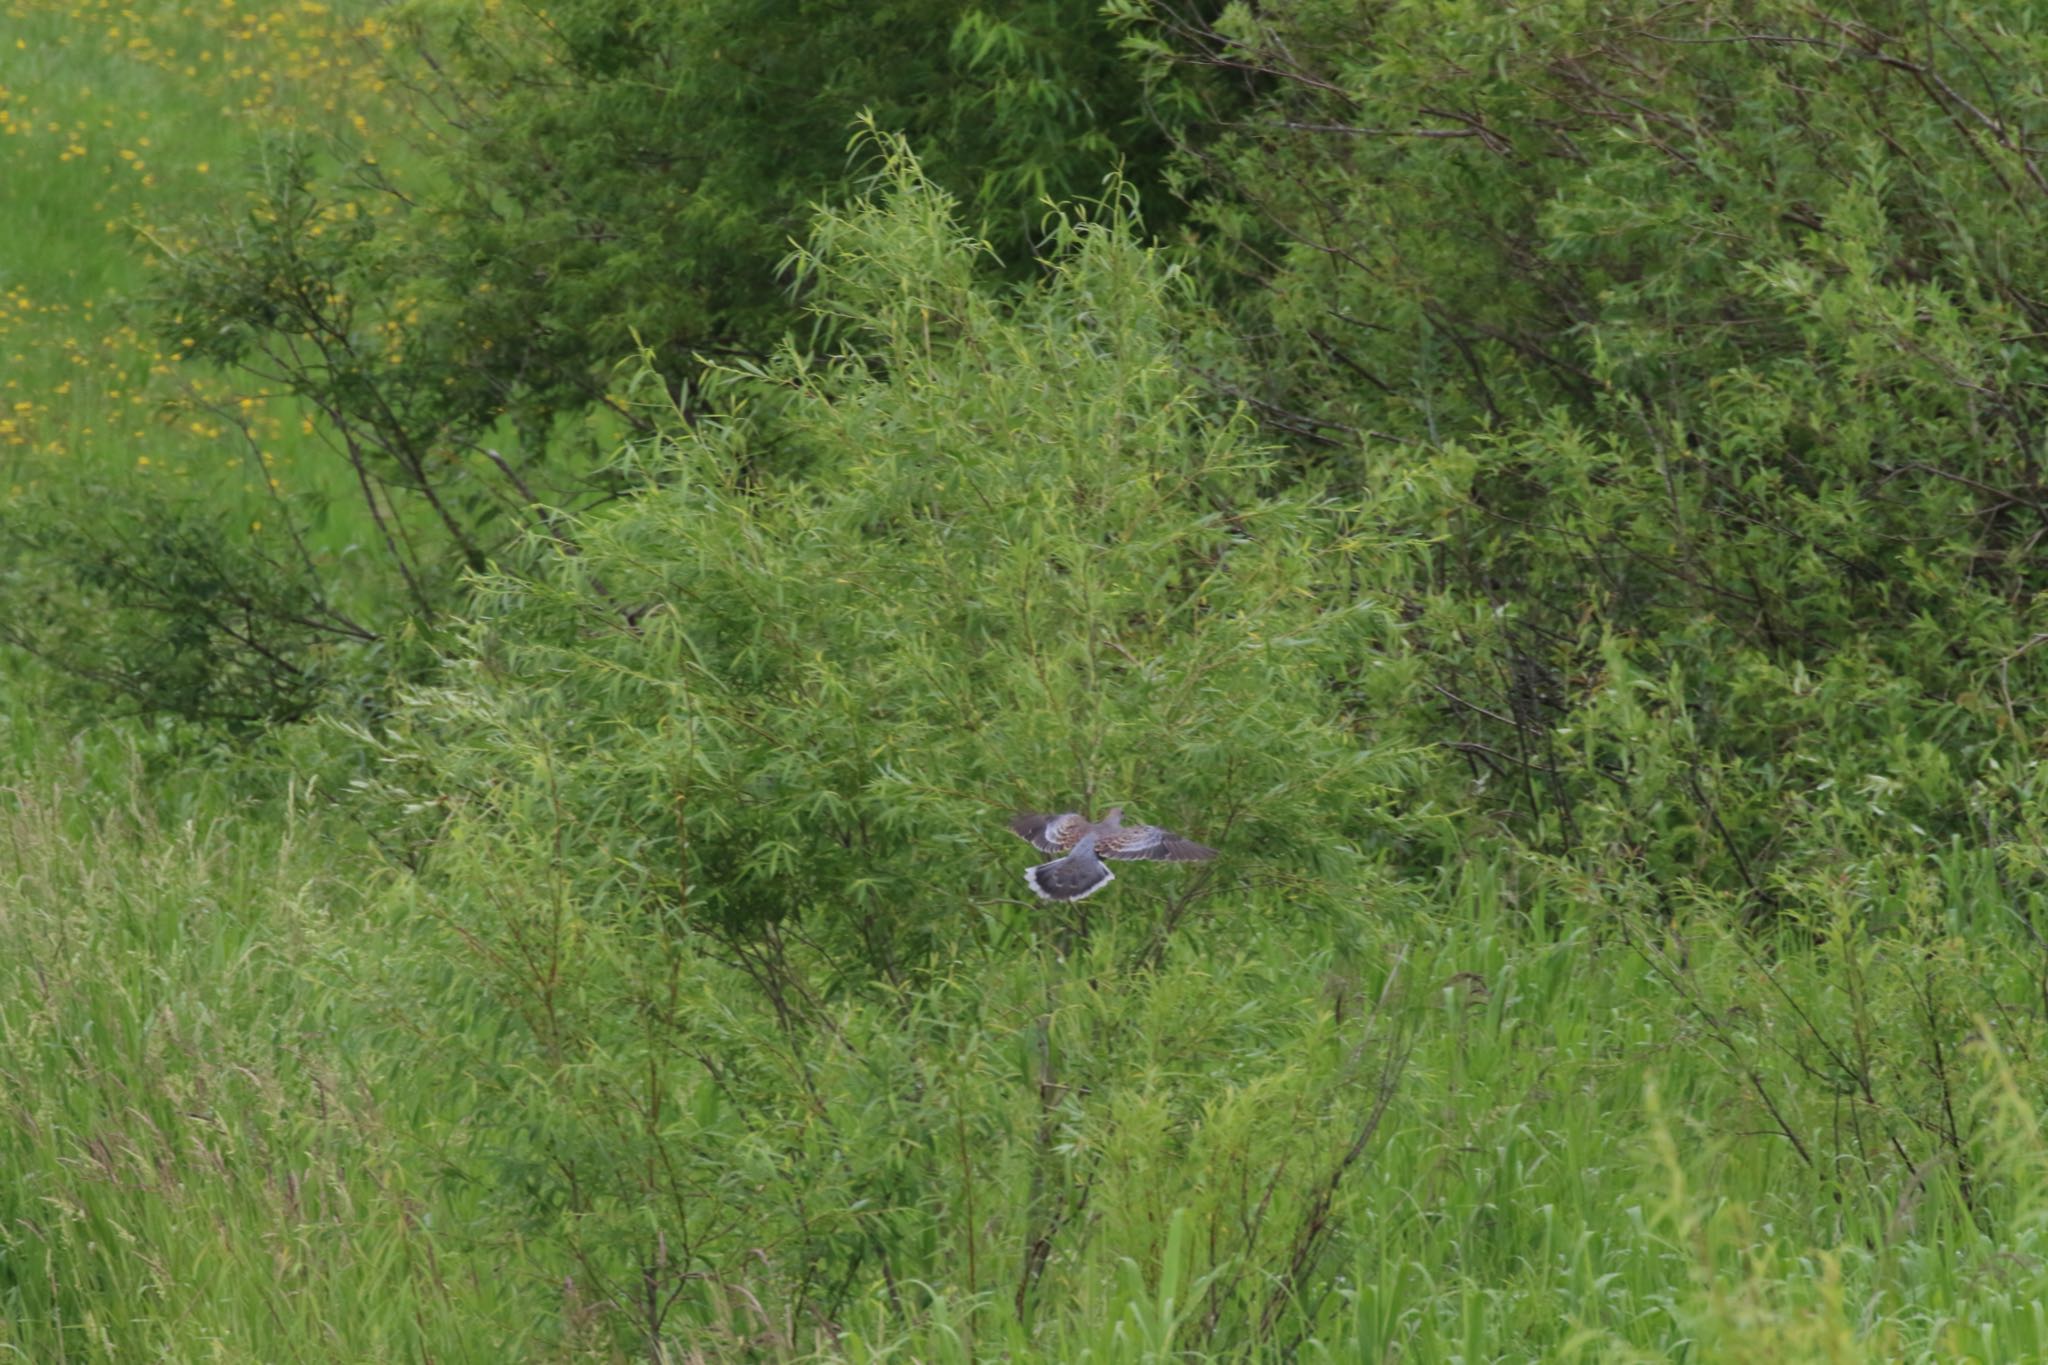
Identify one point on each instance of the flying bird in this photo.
(1087, 842)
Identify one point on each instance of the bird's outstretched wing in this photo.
(1048, 833)
(1134, 842)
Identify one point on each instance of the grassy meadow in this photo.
(449, 1033)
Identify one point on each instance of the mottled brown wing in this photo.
(1048, 833)
(1135, 842)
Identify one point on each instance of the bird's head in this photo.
(1114, 818)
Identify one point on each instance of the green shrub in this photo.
(159, 603)
(731, 780)
(1705, 347)
(1001, 555)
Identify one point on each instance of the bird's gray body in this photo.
(1078, 875)
(1087, 842)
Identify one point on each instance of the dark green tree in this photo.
(604, 176)
(1708, 342)
(588, 181)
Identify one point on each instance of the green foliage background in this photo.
(1557, 509)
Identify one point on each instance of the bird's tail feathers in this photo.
(1068, 879)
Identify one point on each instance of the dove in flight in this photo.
(1087, 842)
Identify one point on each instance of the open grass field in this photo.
(115, 123)
(263, 1098)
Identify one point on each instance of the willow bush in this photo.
(725, 781)
(1000, 555)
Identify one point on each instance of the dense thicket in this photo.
(718, 793)
(1708, 342)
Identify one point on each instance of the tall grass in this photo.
(197, 1164)
(254, 1113)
